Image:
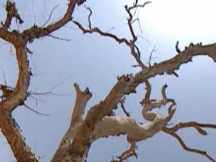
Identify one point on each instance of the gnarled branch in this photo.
(11, 13)
(82, 97)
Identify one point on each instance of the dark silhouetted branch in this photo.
(189, 149)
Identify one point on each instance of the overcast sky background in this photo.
(93, 61)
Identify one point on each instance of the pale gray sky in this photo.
(96, 62)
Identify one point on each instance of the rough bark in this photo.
(99, 121)
(20, 93)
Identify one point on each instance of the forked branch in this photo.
(11, 13)
(97, 123)
(36, 32)
(130, 43)
(82, 97)
(187, 148)
(16, 98)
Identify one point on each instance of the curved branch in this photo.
(150, 104)
(198, 126)
(127, 85)
(38, 32)
(19, 94)
(130, 43)
(189, 149)
(115, 126)
(17, 97)
(131, 151)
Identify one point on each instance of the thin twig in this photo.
(50, 15)
(35, 111)
(122, 102)
(59, 38)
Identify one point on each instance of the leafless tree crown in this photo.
(99, 121)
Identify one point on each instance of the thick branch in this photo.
(171, 65)
(115, 126)
(82, 140)
(8, 36)
(16, 98)
(127, 85)
(19, 94)
(17, 143)
(82, 97)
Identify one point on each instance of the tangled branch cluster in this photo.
(99, 121)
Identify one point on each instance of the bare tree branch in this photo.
(185, 147)
(17, 143)
(172, 131)
(198, 126)
(131, 151)
(11, 13)
(122, 102)
(177, 47)
(37, 32)
(171, 65)
(50, 16)
(131, 44)
(97, 123)
(20, 92)
(116, 125)
(150, 104)
(127, 85)
(82, 97)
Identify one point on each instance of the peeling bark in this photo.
(99, 121)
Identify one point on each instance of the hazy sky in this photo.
(96, 62)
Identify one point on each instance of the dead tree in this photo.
(99, 121)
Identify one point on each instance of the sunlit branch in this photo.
(151, 104)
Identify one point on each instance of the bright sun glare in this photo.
(177, 17)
